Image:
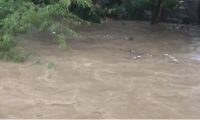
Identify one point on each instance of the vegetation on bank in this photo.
(20, 16)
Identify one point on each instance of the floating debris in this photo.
(108, 36)
(135, 54)
(172, 58)
(133, 51)
(137, 57)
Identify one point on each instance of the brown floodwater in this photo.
(119, 69)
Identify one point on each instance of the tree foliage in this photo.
(19, 16)
(131, 9)
(57, 16)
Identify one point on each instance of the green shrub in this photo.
(88, 14)
(20, 16)
(14, 54)
(131, 9)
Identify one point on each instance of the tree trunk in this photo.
(157, 12)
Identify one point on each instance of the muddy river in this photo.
(119, 69)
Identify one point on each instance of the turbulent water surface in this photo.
(119, 69)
